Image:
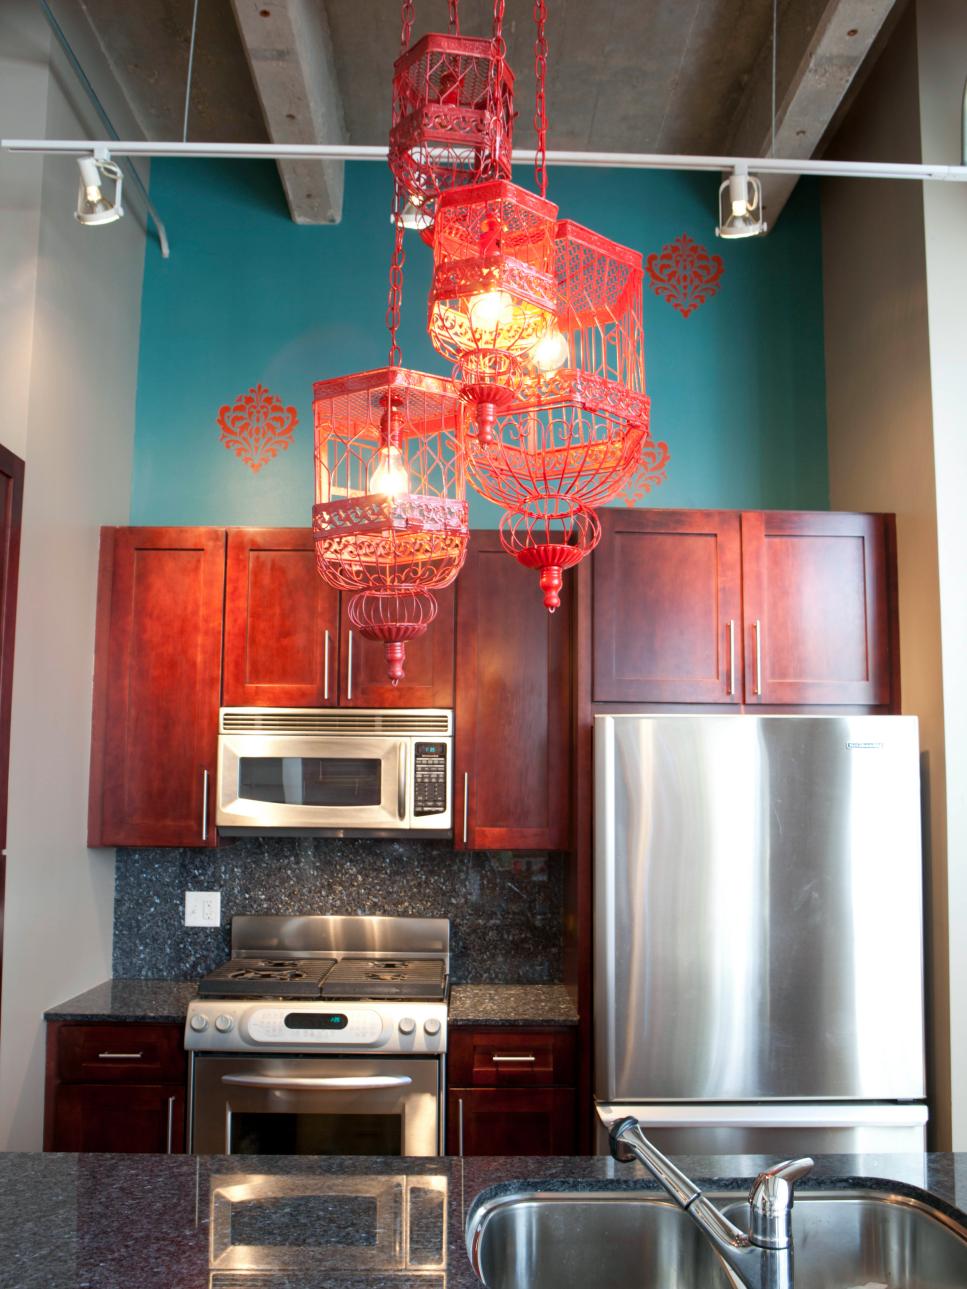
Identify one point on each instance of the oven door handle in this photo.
(298, 1083)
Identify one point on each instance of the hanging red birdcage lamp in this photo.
(572, 431)
(390, 519)
(452, 114)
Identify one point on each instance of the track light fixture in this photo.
(92, 206)
(740, 206)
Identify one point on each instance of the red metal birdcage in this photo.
(493, 295)
(452, 122)
(390, 520)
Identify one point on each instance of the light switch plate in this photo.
(203, 908)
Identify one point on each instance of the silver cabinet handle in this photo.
(204, 805)
(120, 1056)
(169, 1138)
(460, 1127)
(731, 630)
(349, 668)
(757, 631)
(325, 667)
(466, 798)
(401, 785)
(296, 1083)
(522, 1059)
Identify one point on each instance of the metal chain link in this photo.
(498, 56)
(540, 101)
(407, 16)
(395, 301)
(454, 16)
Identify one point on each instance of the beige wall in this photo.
(74, 385)
(895, 279)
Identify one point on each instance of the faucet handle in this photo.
(770, 1203)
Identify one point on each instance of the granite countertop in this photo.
(167, 1000)
(198, 1222)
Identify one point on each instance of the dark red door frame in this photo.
(11, 512)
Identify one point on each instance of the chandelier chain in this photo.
(498, 56)
(540, 101)
(395, 301)
(454, 7)
(407, 15)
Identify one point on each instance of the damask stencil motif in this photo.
(256, 427)
(650, 473)
(684, 273)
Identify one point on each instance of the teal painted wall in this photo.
(248, 296)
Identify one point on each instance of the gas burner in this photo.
(270, 973)
(266, 978)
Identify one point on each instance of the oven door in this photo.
(315, 1106)
(312, 781)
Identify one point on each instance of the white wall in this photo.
(74, 381)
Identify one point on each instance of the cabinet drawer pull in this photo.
(757, 630)
(731, 629)
(519, 1059)
(325, 667)
(204, 805)
(170, 1134)
(466, 798)
(460, 1127)
(349, 668)
(120, 1056)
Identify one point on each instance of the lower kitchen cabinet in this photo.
(115, 1087)
(511, 1091)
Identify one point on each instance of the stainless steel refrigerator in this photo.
(758, 932)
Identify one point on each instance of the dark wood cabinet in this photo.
(428, 680)
(817, 608)
(511, 1091)
(776, 608)
(157, 681)
(667, 607)
(512, 709)
(115, 1087)
(281, 622)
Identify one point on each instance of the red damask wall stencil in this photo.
(256, 427)
(684, 273)
(650, 473)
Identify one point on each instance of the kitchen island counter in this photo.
(97, 1221)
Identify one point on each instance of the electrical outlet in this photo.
(203, 908)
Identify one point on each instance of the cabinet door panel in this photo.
(281, 622)
(816, 608)
(156, 686)
(428, 679)
(123, 1053)
(511, 1122)
(667, 606)
(124, 1119)
(512, 715)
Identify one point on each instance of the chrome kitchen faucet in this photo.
(763, 1259)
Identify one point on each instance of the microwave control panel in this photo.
(430, 775)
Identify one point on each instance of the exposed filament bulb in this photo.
(490, 310)
(551, 352)
(389, 475)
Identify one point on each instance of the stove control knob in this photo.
(199, 1023)
(431, 1026)
(407, 1025)
(223, 1024)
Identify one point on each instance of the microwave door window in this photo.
(311, 781)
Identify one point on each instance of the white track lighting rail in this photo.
(928, 172)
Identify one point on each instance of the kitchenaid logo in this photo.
(856, 746)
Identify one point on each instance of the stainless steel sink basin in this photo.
(843, 1240)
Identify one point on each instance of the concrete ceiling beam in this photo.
(289, 50)
(821, 46)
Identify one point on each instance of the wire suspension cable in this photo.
(191, 64)
(775, 34)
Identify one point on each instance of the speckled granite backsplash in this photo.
(505, 910)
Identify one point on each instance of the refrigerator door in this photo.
(777, 1130)
(758, 923)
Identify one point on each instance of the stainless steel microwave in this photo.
(336, 772)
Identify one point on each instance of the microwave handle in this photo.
(401, 785)
(297, 1083)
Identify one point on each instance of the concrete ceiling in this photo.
(624, 75)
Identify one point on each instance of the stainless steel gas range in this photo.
(322, 1036)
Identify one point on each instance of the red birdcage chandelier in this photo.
(452, 114)
(390, 520)
(561, 411)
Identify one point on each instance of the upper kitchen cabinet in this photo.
(281, 622)
(428, 681)
(512, 711)
(667, 607)
(777, 608)
(157, 676)
(819, 617)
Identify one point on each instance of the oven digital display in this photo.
(316, 1020)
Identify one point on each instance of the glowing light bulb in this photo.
(551, 352)
(490, 310)
(389, 476)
